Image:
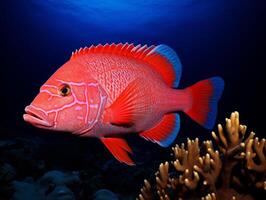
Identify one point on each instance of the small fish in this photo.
(107, 91)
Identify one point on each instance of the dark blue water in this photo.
(211, 37)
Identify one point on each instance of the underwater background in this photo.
(211, 37)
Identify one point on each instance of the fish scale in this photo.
(115, 72)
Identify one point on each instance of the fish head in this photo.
(69, 101)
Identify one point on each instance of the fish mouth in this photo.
(36, 118)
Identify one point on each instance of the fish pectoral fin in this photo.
(165, 132)
(119, 148)
(127, 107)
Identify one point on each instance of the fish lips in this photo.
(36, 118)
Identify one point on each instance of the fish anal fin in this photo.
(165, 132)
(127, 107)
(119, 149)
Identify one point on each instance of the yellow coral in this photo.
(198, 170)
(185, 160)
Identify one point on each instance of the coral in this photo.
(236, 171)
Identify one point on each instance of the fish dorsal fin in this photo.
(161, 58)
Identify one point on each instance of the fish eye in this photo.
(64, 90)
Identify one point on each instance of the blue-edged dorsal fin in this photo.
(160, 58)
(172, 58)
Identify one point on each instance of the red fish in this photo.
(116, 89)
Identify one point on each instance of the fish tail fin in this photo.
(205, 96)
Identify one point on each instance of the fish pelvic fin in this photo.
(119, 149)
(205, 95)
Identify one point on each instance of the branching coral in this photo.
(185, 161)
(146, 192)
(209, 166)
(259, 147)
(236, 171)
(256, 161)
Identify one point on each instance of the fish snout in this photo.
(36, 117)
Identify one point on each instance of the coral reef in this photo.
(236, 171)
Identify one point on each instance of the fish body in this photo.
(111, 90)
